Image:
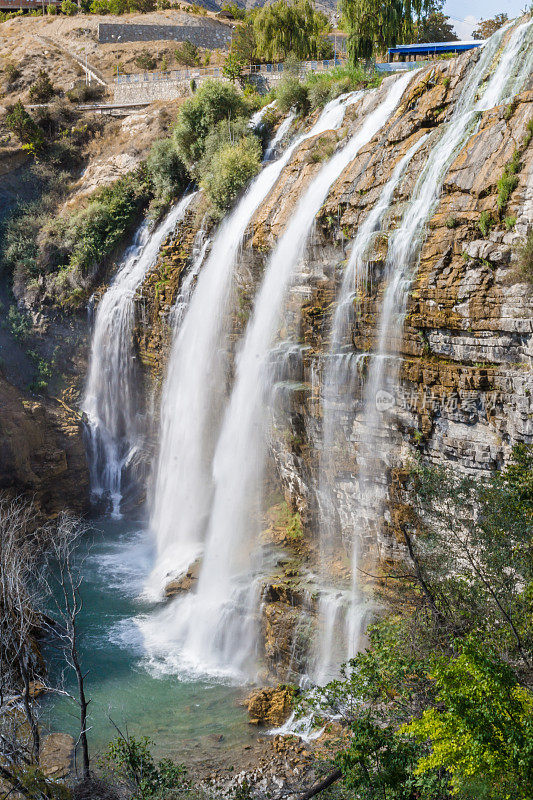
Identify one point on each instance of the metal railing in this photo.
(216, 72)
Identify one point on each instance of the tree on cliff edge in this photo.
(375, 26)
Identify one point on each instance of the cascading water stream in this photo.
(334, 621)
(110, 399)
(405, 245)
(281, 132)
(216, 627)
(195, 384)
(406, 242)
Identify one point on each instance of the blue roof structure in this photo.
(429, 48)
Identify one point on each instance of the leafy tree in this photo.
(472, 554)
(69, 8)
(243, 44)
(132, 761)
(297, 28)
(451, 670)
(292, 94)
(231, 169)
(435, 27)
(486, 27)
(43, 89)
(165, 170)
(23, 126)
(381, 688)
(213, 101)
(187, 54)
(233, 10)
(145, 60)
(378, 24)
(233, 66)
(481, 728)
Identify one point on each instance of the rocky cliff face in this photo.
(42, 454)
(464, 392)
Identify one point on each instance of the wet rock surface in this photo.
(270, 706)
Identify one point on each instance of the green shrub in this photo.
(525, 259)
(212, 102)
(231, 169)
(325, 86)
(485, 223)
(44, 373)
(480, 730)
(529, 133)
(121, 6)
(81, 241)
(85, 93)
(99, 7)
(292, 95)
(187, 54)
(223, 133)
(509, 181)
(451, 222)
(69, 8)
(51, 10)
(12, 72)
(323, 149)
(510, 222)
(43, 89)
(145, 61)
(19, 323)
(23, 126)
(132, 761)
(234, 10)
(165, 170)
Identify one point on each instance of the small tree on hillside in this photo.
(233, 66)
(187, 54)
(43, 89)
(486, 27)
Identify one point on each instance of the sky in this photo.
(466, 13)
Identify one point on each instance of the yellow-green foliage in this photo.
(485, 223)
(294, 528)
(479, 728)
(509, 181)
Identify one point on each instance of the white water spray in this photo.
(196, 381)
(405, 245)
(217, 625)
(110, 400)
(339, 626)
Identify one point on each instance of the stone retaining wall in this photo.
(212, 36)
(150, 91)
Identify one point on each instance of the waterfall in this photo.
(281, 132)
(339, 373)
(195, 383)
(110, 400)
(405, 244)
(217, 626)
